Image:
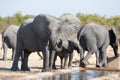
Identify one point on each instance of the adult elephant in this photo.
(67, 52)
(36, 35)
(95, 39)
(9, 36)
(33, 35)
(70, 26)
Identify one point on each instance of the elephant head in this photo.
(77, 47)
(74, 45)
(113, 41)
(69, 25)
(46, 27)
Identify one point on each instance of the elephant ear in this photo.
(69, 26)
(112, 35)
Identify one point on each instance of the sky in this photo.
(106, 8)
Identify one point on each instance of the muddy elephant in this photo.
(70, 25)
(67, 52)
(37, 35)
(95, 39)
(9, 36)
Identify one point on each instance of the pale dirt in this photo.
(35, 64)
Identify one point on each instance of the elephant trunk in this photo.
(57, 46)
(115, 49)
(114, 41)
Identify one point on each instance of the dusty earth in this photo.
(35, 64)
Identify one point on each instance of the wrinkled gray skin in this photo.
(9, 37)
(69, 26)
(67, 51)
(95, 39)
(9, 40)
(34, 35)
(39, 35)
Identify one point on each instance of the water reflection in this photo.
(79, 75)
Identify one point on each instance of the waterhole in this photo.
(80, 75)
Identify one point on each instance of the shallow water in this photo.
(80, 75)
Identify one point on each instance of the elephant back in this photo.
(9, 35)
(28, 21)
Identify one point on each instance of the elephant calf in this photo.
(67, 51)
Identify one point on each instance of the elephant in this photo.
(9, 37)
(33, 35)
(37, 35)
(95, 39)
(9, 40)
(69, 26)
(67, 51)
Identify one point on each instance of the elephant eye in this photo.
(47, 22)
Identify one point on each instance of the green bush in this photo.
(18, 18)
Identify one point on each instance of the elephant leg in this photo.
(45, 59)
(85, 60)
(81, 58)
(66, 62)
(103, 54)
(15, 61)
(18, 53)
(5, 51)
(52, 59)
(98, 58)
(54, 66)
(13, 54)
(70, 60)
(24, 66)
(62, 62)
(97, 53)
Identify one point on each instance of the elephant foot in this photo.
(45, 70)
(54, 67)
(51, 70)
(61, 67)
(69, 67)
(99, 65)
(65, 67)
(14, 69)
(104, 65)
(25, 69)
(82, 65)
(85, 62)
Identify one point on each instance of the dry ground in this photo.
(35, 64)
